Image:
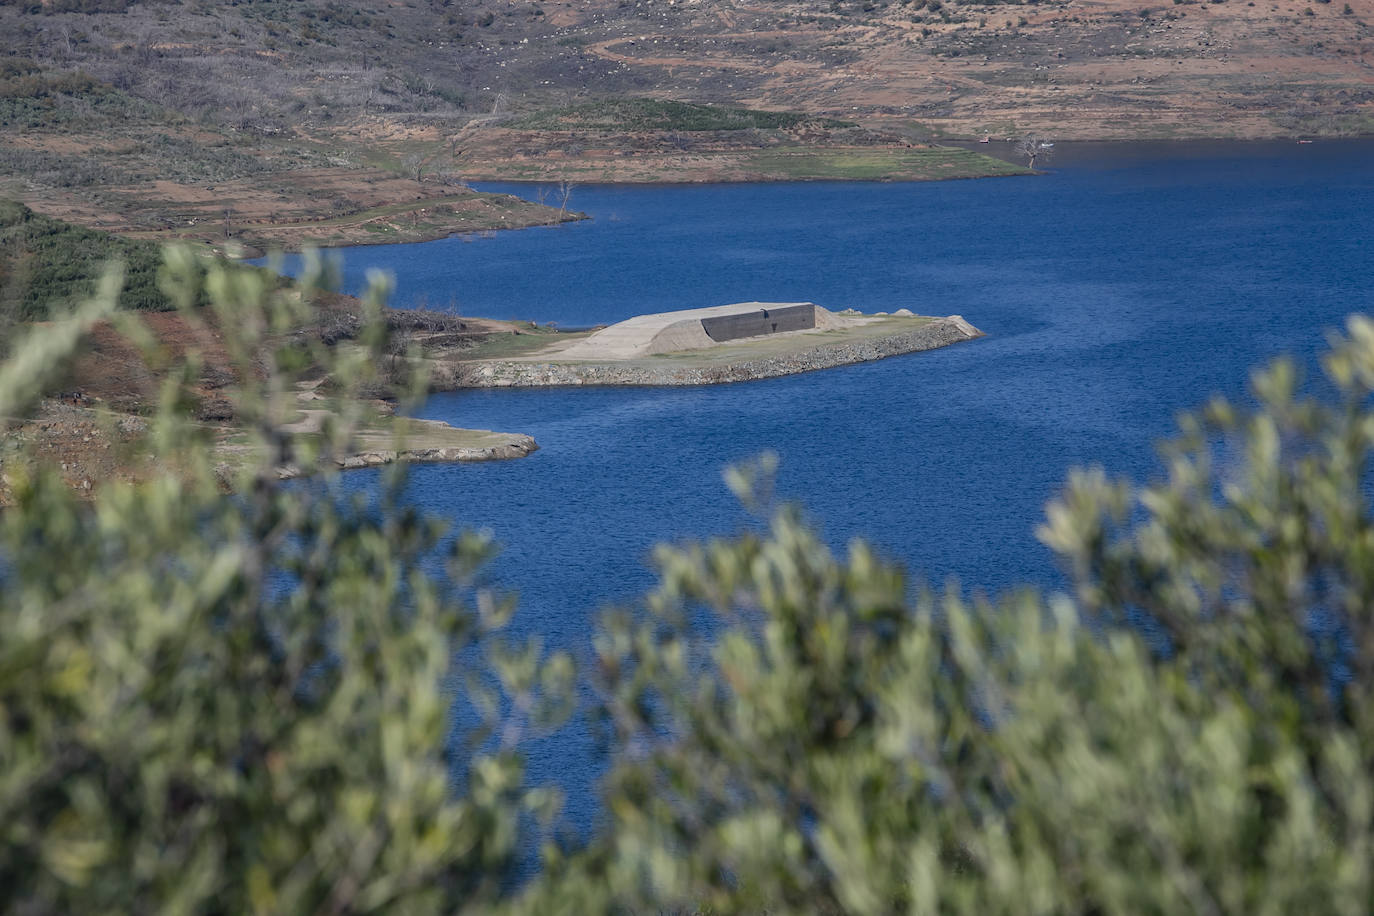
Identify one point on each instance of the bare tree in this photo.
(451, 177)
(415, 166)
(1034, 146)
(64, 30)
(565, 189)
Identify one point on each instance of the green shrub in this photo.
(49, 7)
(45, 262)
(657, 114)
(239, 704)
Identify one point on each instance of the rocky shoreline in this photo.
(517, 445)
(940, 332)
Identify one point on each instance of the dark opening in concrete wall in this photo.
(760, 322)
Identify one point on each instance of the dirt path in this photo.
(710, 61)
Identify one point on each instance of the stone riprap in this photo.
(722, 363)
(516, 445)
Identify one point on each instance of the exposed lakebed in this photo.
(1128, 284)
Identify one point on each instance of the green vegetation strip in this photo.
(655, 114)
(46, 262)
(34, 97)
(526, 343)
(862, 164)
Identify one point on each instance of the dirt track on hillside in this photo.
(1105, 69)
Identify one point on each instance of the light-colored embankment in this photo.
(518, 446)
(737, 361)
(515, 445)
(391, 439)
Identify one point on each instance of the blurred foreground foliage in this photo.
(235, 704)
(239, 704)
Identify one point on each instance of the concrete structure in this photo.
(860, 340)
(695, 329)
(770, 319)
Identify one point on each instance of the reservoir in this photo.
(1129, 283)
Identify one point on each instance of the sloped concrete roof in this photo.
(669, 332)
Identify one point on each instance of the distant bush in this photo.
(49, 7)
(31, 97)
(11, 67)
(44, 261)
(35, 85)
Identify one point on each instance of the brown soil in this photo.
(86, 446)
(111, 374)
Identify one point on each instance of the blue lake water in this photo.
(1128, 284)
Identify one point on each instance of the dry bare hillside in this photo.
(317, 120)
(1076, 67)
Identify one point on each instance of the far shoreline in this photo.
(1072, 153)
(1100, 152)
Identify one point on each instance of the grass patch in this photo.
(530, 340)
(880, 164)
(656, 114)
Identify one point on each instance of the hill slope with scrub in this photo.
(1071, 67)
(46, 264)
(276, 122)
